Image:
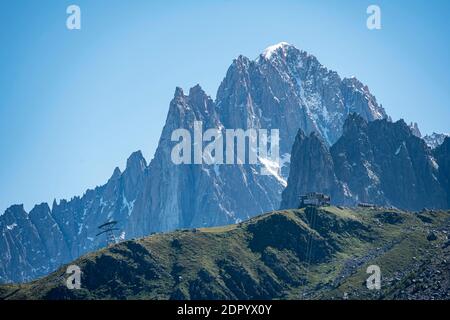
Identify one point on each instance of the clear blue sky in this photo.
(76, 104)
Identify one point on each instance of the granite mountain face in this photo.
(376, 162)
(284, 88)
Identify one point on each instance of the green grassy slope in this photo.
(293, 254)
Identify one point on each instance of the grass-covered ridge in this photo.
(291, 254)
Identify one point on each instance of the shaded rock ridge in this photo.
(35, 243)
(284, 88)
(432, 140)
(291, 254)
(376, 162)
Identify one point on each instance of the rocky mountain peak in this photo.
(40, 214)
(134, 175)
(415, 129)
(185, 109)
(290, 61)
(240, 63)
(311, 170)
(197, 90)
(198, 98)
(178, 93)
(235, 82)
(434, 140)
(136, 162)
(354, 124)
(377, 162)
(281, 49)
(15, 210)
(15, 216)
(40, 208)
(54, 204)
(116, 174)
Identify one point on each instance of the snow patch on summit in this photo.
(269, 51)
